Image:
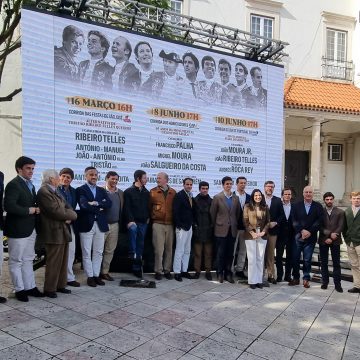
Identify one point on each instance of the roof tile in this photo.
(301, 93)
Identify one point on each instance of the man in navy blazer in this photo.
(275, 206)
(307, 220)
(244, 198)
(92, 224)
(183, 215)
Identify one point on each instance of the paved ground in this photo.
(192, 320)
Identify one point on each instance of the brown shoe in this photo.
(294, 282)
(106, 277)
(91, 281)
(98, 281)
(306, 284)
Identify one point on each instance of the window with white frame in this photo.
(176, 6)
(335, 152)
(261, 26)
(336, 45)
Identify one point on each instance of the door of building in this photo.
(296, 172)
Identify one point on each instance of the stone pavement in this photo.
(191, 320)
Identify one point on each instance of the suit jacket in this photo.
(183, 211)
(90, 213)
(18, 199)
(310, 222)
(332, 224)
(223, 217)
(101, 76)
(129, 78)
(286, 229)
(241, 225)
(54, 211)
(352, 227)
(252, 220)
(276, 214)
(1, 202)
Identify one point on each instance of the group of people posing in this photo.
(143, 78)
(258, 227)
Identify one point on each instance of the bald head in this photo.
(308, 193)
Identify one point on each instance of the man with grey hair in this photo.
(161, 213)
(56, 216)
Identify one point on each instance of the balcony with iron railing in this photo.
(339, 70)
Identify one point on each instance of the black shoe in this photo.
(63, 291)
(50, 294)
(138, 273)
(272, 281)
(287, 278)
(167, 275)
(324, 286)
(158, 276)
(260, 286)
(252, 286)
(220, 278)
(91, 281)
(186, 275)
(73, 283)
(338, 288)
(22, 296)
(35, 292)
(208, 276)
(294, 282)
(197, 275)
(229, 278)
(178, 277)
(354, 290)
(265, 284)
(241, 275)
(2, 300)
(98, 281)
(279, 279)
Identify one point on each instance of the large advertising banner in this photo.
(121, 101)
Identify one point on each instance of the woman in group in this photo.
(256, 221)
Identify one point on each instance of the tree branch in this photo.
(10, 96)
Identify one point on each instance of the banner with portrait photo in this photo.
(121, 101)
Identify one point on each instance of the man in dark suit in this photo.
(244, 198)
(92, 224)
(21, 208)
(183, 219)
(330, 239)
(2, 299)
(225, 211)
(69, 195)
(56, 216)
(285, 238)
(276, 215)
(307, 220)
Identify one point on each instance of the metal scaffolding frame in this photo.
(134, 15)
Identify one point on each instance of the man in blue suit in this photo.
(307, 219)
(183, 220)
(21, 212)
(92, 224)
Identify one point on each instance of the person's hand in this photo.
(254, 235)
(328, 241)
(272, 224)
(131, 223)
(261, 234)
(334, 236)
(37, 210)
(68, 221)
(93, 203)
(32, 210)
(305, 234)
